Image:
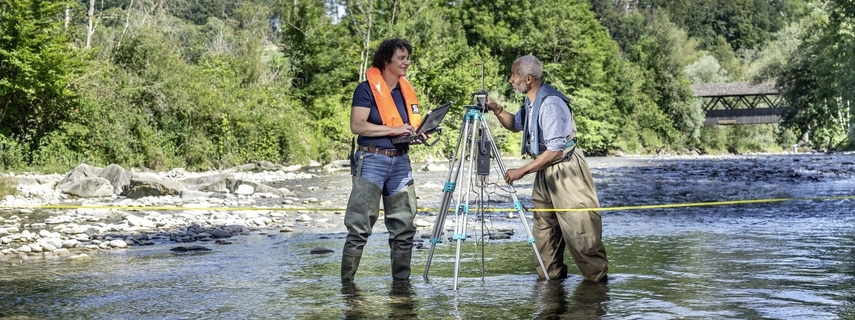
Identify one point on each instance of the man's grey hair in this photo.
(530, 66)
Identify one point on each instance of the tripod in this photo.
(469, 138)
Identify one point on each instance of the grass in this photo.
(8, 185)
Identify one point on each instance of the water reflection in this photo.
(587, 302)
(402, 304)
(366, 305)
(354, 301)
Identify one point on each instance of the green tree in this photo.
(663, 53)
(37, 70)
(817, 78)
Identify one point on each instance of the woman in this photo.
(384, 106)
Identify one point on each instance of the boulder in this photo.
(87, 187)
(119, 178)
(148, 186)
(81, 171)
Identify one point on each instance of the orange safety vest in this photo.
(386, 105)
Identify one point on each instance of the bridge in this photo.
(740, 103)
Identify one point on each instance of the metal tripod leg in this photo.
(456, 166)
(463, 202)
(517, 205)
(462, 207)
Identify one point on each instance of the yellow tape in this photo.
(622, 208)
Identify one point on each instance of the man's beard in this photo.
(523, 88)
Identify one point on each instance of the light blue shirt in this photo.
(554, 122)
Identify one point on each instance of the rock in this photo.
(337, 165)
(244, 189)
(304, 218)
(286, 229)
(435, 167)
(422, 224)
(35, 247)
(234, 184)
(320, 250)
(499, 236)
(136, 221)
(147, 186)
(221, 233)
(118, 177)
(71, 243)
(81, 171)
(190, 248)
(118, 244)
(80, 256)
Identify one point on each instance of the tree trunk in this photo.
(90, 29)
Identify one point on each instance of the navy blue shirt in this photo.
(363, 97)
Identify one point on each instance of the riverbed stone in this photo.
(79, 256)
(118, 243)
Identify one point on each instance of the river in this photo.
(730, 237)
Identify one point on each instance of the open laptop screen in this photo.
(429, 124)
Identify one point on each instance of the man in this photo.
(384, 106)
(562, 178)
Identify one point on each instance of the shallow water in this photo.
(789, 259)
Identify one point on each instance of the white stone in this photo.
(118, 244)
(137, 221)
(422, 224)
(304, 218)
(79, 256)
(245, 190)
(71, 243)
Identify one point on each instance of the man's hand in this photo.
(492, 105)
(513, 175)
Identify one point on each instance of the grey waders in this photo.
(400, 211)
(363, 207)
(362, 212)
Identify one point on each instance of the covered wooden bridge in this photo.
(740, 103)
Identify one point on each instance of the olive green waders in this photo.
(362, 212)
(568, 184)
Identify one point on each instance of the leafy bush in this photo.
(12, 153)
(8, 185)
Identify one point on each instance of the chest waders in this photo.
(362, 213)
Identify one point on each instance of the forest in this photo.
(207, 84)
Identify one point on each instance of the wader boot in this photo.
(400, 211)
(363, 208)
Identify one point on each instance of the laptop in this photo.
(430, 124)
